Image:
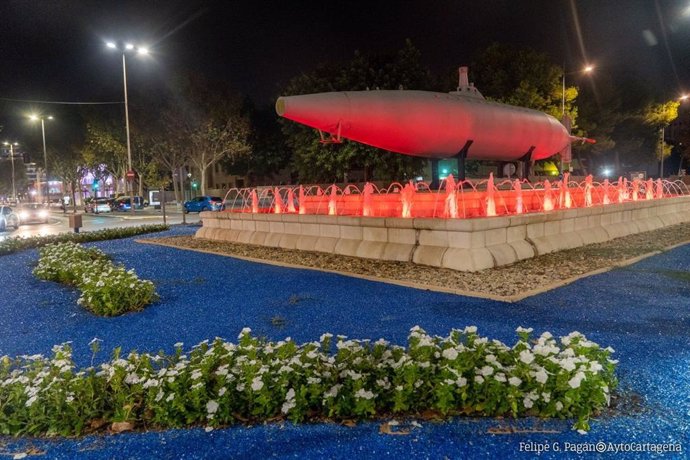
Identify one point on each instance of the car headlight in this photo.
(43, 214)
(23, 215)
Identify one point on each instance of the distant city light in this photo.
(588, 68)
(444, 171)
(143, 51)
(129, 46)
(606, 172)
(33, 117)
(111, 45)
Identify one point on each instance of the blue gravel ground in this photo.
(643, 311)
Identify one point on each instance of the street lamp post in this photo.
(45, 153)
(587, 69)
(662, 139)
(141, 51)
(14, 189)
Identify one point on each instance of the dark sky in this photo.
(54, 49)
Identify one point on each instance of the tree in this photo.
(68, 165)
(105, 150)
(207, 121)
(659, 116)
(598, 117)
(523, 77)
(316, 161)
(20, 179)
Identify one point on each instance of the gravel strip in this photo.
(509, 281)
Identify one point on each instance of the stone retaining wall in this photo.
(458, 244)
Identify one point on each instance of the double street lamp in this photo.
(35, 117)
(12, 145)
(142, 51)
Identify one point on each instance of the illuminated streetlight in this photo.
(587, 69)
(12, 145)
(35, 117)
(130, 172)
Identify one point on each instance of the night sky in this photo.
(54, 49)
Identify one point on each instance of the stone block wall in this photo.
(458, 244)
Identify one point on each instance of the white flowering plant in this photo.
(11, 245)
(221, 383)
(106, 289)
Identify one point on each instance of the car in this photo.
(123, 203)
(8, 218)
(32, 213)
(204, 203)
(99, 205)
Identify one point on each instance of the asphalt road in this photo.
(59, 222)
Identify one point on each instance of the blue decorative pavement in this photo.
(642, 311)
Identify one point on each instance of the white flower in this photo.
(500, 377)
(595, 367)
(243, 332)
(527, 403)
(257, 384)
(470, 330)
(486, 371)
(364, 394)
(522, 329)
(490, 359)
(559, 406)
(333, 392)
(450, 354)
(541, 376)
(170, 397)
(546, 397)
(208, 429)
(461, 381)
(568, 364)
(222, 391)
(211, 407)
(526, 356)
(479, 379)
(515, 381)
(160, 395)
(575, 381)
(196, 375)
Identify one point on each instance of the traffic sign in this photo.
(130, 175)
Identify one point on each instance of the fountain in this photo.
(463, 226)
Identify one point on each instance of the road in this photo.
(59, 222)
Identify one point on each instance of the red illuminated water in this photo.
(466, 199)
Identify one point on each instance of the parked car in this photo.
(99, 205)
(124, 204)
(204, 203)
(8, 218)
(33, 212)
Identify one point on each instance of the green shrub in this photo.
(220, 383)
(106, 289)
(10, 245)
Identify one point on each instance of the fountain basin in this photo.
(458, 244)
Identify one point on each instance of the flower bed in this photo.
(254, 380)
(106, 289)
(10, 245)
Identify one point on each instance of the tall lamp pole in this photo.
(46, 195)
(141, 51)
(14, 189)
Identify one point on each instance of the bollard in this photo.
(75, 222)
